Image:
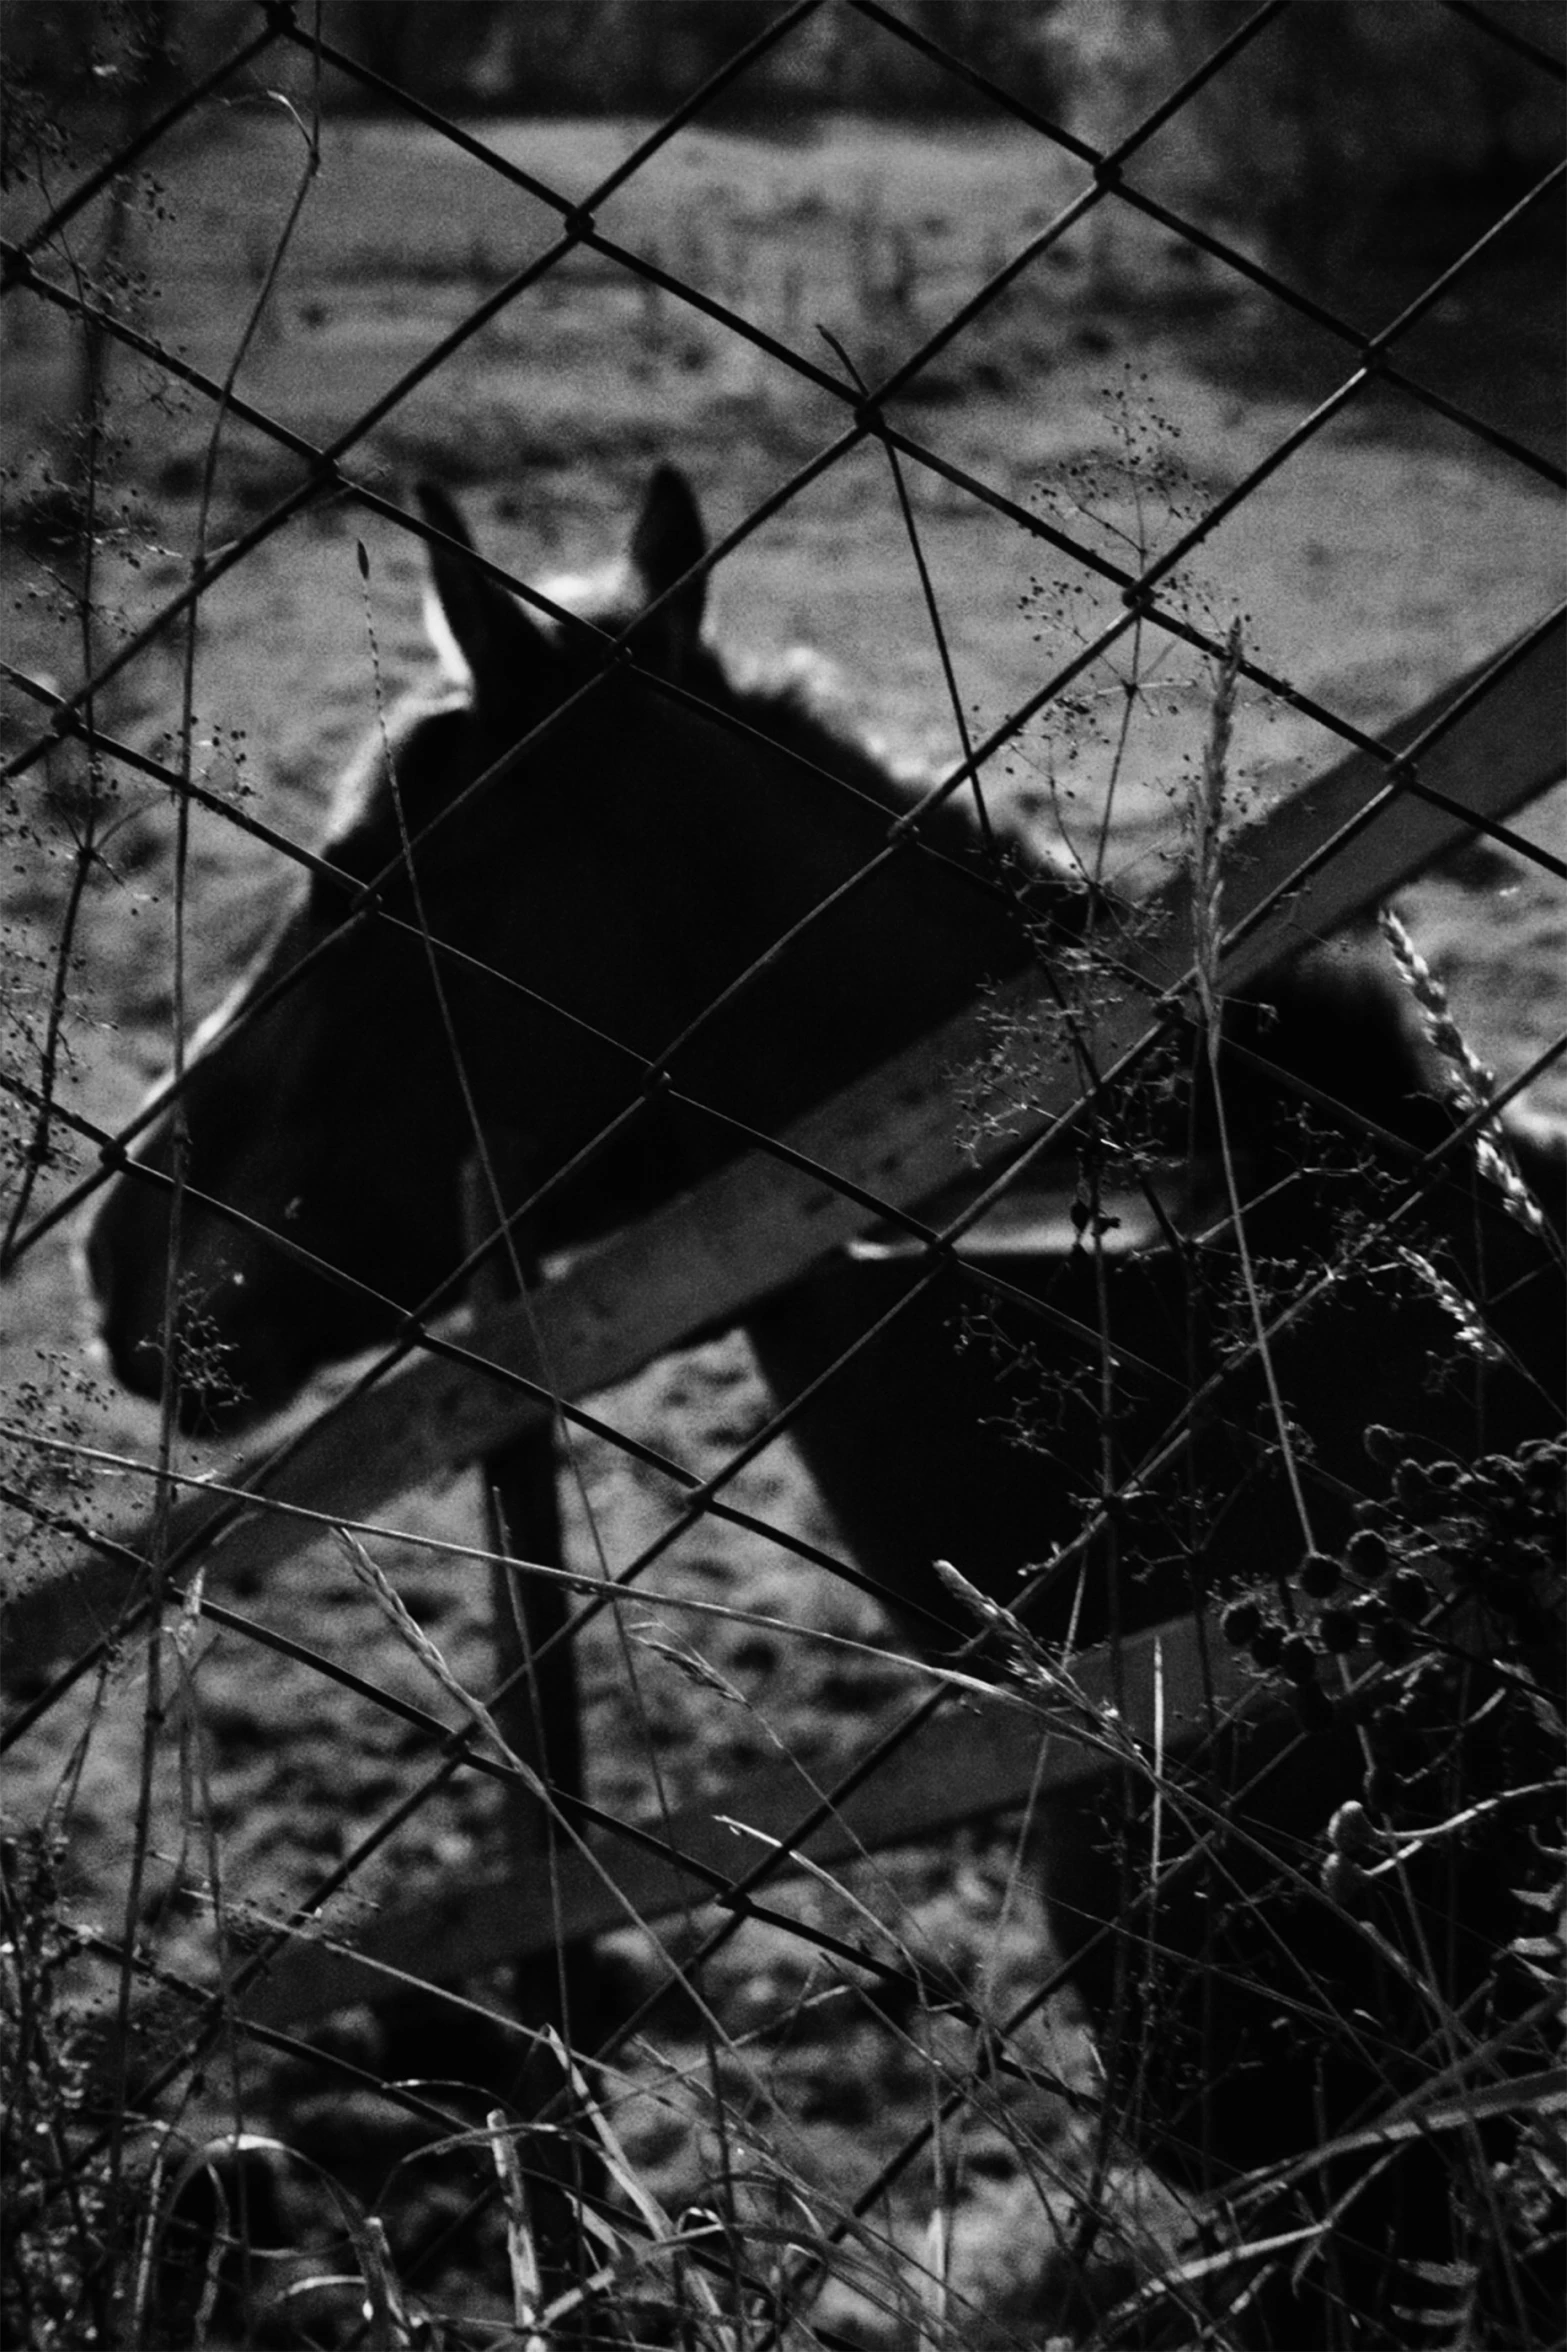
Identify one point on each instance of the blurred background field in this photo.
(1389, 554)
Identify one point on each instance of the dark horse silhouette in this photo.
(589, 904)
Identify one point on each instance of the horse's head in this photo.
(333, 1100)
(497, 960)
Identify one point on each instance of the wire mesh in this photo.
(752, 2229)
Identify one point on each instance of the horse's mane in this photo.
(793, 700)
(357, 797)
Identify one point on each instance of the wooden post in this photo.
(539, 1717)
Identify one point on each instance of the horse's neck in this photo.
(892, 956)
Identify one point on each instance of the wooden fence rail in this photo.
(980, 1756)
(1314, 863)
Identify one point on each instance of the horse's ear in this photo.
(668, 539)
(499, 646)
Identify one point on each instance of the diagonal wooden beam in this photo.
(1170, 1684)
(1313, 864)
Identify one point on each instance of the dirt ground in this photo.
(1384, 558)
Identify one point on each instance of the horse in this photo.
(541, 931)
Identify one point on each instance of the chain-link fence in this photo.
(990, 1181)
